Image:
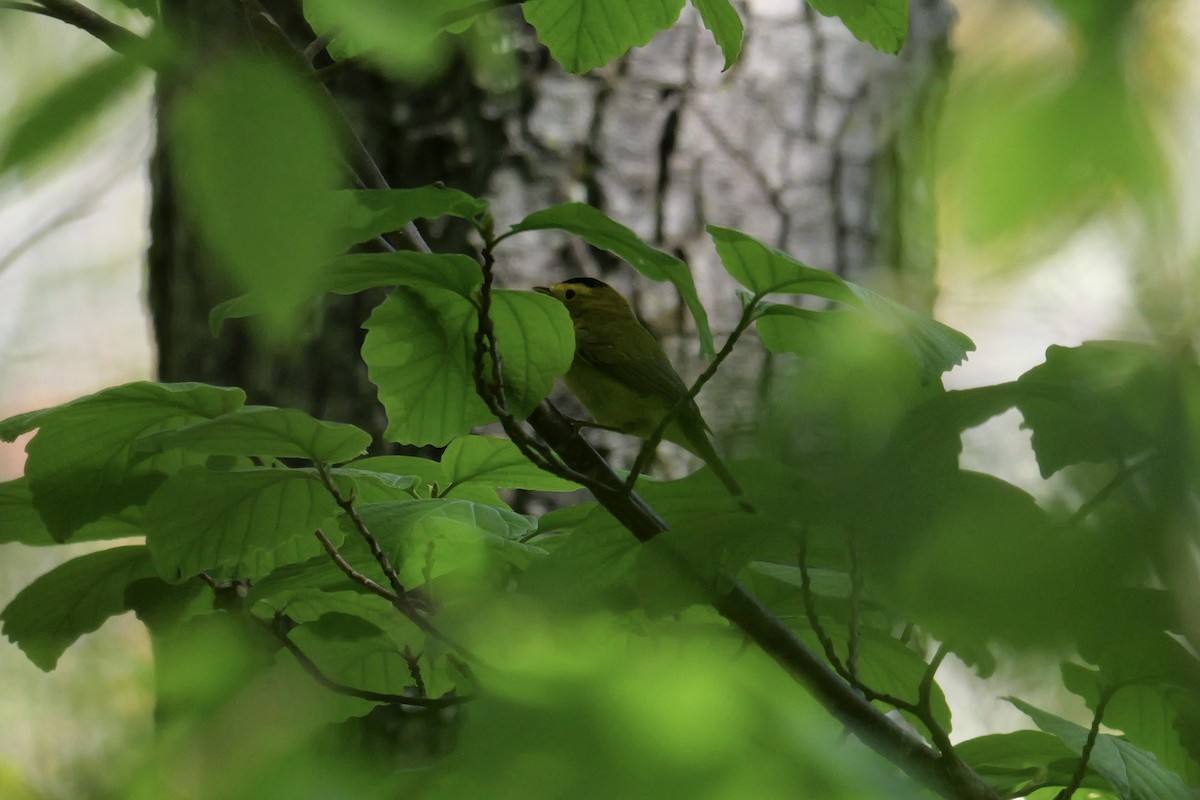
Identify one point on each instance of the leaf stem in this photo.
(1085, 756)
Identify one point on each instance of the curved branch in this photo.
(122, 40)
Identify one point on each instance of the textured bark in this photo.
(813, 142)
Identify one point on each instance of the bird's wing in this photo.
(650, 372)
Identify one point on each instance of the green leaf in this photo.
(36, 131)
(21, 522)
(1010, 762)
(402, 38)
(80, 464)
(1098, 402)
(419, 352)
(599, 230)
(366, 213)
(498, 463)
(75, 598)
(883, 24)
(257, 160)
(765, 270)
(355, 273)
(426, 539)
(265, 431)
(1132, 772)
(371, 662)
(585, 34)
(241, 523)
(722, 19)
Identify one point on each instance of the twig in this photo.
(351, 572)
(941, 739)
(855, 599)
(810, 611)
(490, 387)
(340, 688)
(122, 40)
(347, 505)
(1123, 474)
(648, 447)
(1085, 756)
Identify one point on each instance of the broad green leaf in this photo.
(357, 272)
(75, 598)
(81, 464)
(599, 230)
(498, 463)
(765, 270)
(429, 538)
(1132, 772)
(1010, 762)
(419, 352)
(824, 582)
(36, 131)
(883, 24)
(592, 568)
(265, 431)
(887, 665)
(585, 34)
(432, 479)
(366, 213)
(257, 161)
(1097, 402)
(242, 523)
(722, 19)
(21, 522)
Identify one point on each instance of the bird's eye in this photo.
(569, 294)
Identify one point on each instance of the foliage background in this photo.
(1076, 264)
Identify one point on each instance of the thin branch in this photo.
(856, 585)
(1123, 474)
(121, 40)
(340, 688)
(361, 160)
(941, 739)
(489, 384)
(810, 611)
(351, 572)
(347, 505)
(649, 446)
(1084, 757)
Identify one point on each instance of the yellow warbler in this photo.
(623, 377)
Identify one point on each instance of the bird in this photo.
(623, 377)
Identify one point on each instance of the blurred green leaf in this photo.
(883, 24)
(81, 464)
(36, 131)
(257, 161)
(598, 230)
(72, 599)
(264, 431)
(496, 462)
(765, 270)
(585, 34)
(402, 38)
(366, 213)
(1132, 772)
(419, 352)
(722, 19)
(242, 523)
(360, 271)
(1098, 402)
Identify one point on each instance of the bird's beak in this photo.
(542, 289)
